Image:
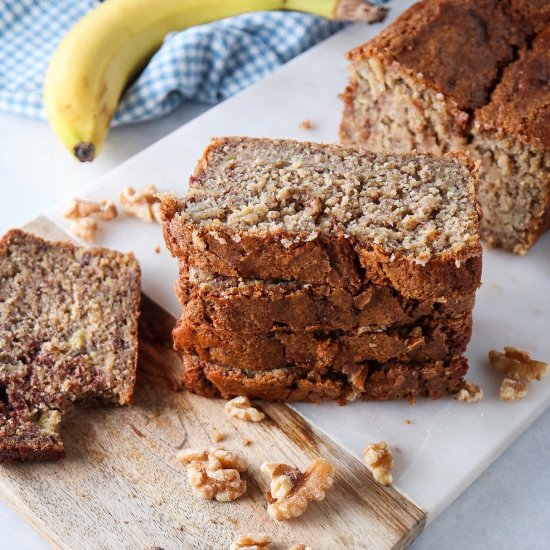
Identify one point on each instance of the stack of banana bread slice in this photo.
(311, 272)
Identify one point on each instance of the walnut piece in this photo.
(105, 210)
(470, 393)
(240, 407)
(85, 229)
(214, 473)
(517, 364)
(294, 490)
(142, 204)
(252, 541)
(379, 461)
(217, 436)
(306, 124)
(513, 390)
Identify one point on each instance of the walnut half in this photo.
(517, 364)
(142, 204)
(519, 370)
(79, 208)
(85, 229)
(293, 490)
(215, 473)
(379, 461)
(240, 407)
(252, 541)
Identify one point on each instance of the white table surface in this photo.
(508, 507)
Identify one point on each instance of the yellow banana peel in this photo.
(97, 58)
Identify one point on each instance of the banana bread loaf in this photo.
(435, 80)
(68, 333)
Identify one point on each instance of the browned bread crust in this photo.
(266, 257)
(68, 332)
(255, 306)
(392, 381)
(455, 47)
(320, 350)
(520, 104)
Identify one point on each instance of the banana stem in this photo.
(339, 10)
(359, 10)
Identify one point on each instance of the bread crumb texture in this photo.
(416, 205)
(68, 332)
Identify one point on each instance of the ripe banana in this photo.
(95, 61)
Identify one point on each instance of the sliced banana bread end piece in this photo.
(68, 333)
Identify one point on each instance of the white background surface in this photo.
(508, 507)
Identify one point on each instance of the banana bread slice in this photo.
(326, 214)
(435, 80)
(68, 333)
(321, 350)
(253, 306)
(393, 380)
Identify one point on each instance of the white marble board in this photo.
(448, 444)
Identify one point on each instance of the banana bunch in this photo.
(101, 54)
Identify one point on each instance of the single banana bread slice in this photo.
(394, 380)
(248, 306)
(464, 75)
(321, 350)
(68, 333)
(326, 214)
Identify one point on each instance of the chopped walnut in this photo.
(293, 490)
(142, 204)
(252, 541)
(517, 364)
(379, 461)
(246, 442)
(240, 407)
(217, 436)
(299, 547)
(214, 473)
(470, 393)
(85, 229)
(306, 124)
(105, 210)
(513, 390)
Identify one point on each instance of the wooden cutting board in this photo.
(121, 487)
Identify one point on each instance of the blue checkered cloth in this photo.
(206, 63)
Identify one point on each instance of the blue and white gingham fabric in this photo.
(207, 63)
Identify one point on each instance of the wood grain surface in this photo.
(121, 487)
